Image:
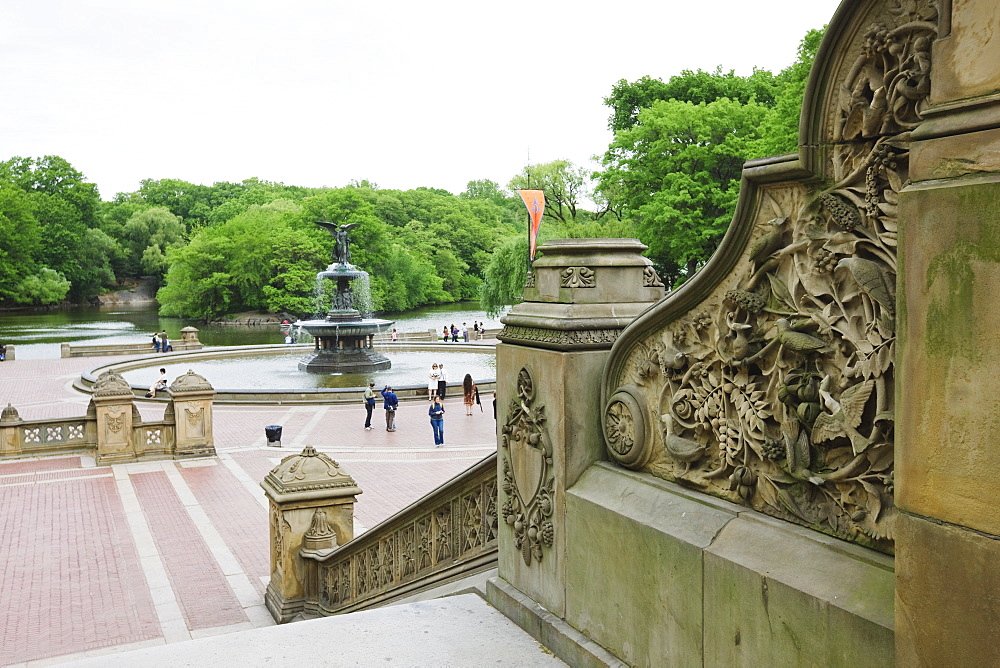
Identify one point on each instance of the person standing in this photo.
(436, 412)
(442, 388)
(156, 341)
(390, 402)
(454, 333)
(165, 346)
(465, 333)
(395, 335)
(468, 393)
(444, 333)
(432, 382)
(369, 405)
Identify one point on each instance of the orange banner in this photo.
(535, 201)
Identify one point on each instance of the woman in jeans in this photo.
(436, 412)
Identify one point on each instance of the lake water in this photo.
(38, 334)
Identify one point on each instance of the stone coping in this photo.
(280, 397)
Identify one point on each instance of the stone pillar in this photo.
(10, 432)
(948, 531)
(311, 503)
(579, 296)
(112, 400)
(191, 397)
(189, 339)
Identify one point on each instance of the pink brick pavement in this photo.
(205, 597)
(70, 578)
(69, 573)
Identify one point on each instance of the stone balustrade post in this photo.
(579, 296)
(191, 399)
(10, 432)
(112, 400)
(311, 510)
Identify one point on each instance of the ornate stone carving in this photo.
(431, 539)
(10, 415)
(528, 482)
(320, 540)
(558, 337)
(577, 277)
(111, 384)
(529, 280)
(777, 390)
(650, 278)
(308, 471)
(190, 382)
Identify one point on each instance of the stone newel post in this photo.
(10, 441)
(311, 512)
(578, 298)
(192, 405)
(112, 400)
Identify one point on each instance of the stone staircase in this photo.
(461, 630)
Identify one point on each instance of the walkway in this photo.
(101, 559)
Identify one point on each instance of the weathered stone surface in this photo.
(947, 595)
(950, 251)
(949, 157)
(965, 63)
(780, 595)
(634, 565)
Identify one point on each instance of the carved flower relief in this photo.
(577, 277)
(621, 428)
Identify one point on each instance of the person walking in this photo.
(465, 333)
(432, 382)
(468, 393)
(369, 405)
(442, 388)
(390, 402)
(436, 412)
(395, 335)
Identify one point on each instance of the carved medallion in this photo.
(528, 482)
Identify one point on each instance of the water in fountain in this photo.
(344, 339)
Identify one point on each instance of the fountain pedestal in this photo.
(344, 340)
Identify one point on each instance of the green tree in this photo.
(146, 236)
(677, 172)
(566, 187)
(627, 98)
(505, 276)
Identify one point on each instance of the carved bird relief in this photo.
(680, 449)
(844, 416)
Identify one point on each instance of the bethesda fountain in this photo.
(344, 339)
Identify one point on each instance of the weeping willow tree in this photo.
(503, 283)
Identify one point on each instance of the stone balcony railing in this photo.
(113, 430)
(449, 534)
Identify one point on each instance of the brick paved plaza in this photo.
(101, 559)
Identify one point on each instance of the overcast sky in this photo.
(320, 92)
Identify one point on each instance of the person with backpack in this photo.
(390, 402)
(369, 405)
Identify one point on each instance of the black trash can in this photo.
(273, 433)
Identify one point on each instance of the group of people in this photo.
(454, 332)
(437, 388)
(389, 402)
(161, 343)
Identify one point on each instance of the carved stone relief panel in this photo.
(528, 482)
(776, 391)
(577, 277)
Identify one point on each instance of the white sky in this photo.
(320, 92)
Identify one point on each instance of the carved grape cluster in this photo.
(773, 449)
(750, 301)
(825, 261)
(844, 214)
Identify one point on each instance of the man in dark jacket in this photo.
(390, 403)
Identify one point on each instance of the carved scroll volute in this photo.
(626, 430)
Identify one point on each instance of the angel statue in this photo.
(341, 253)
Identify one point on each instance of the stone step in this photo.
(459, 630)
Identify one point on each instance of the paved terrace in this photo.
(98, 560)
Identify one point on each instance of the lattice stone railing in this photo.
(449, 533)
(41, 437)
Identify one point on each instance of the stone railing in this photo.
(188, 341)
(447, 535)
(113, 429)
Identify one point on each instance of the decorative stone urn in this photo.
(9, 442)
(311, 513)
